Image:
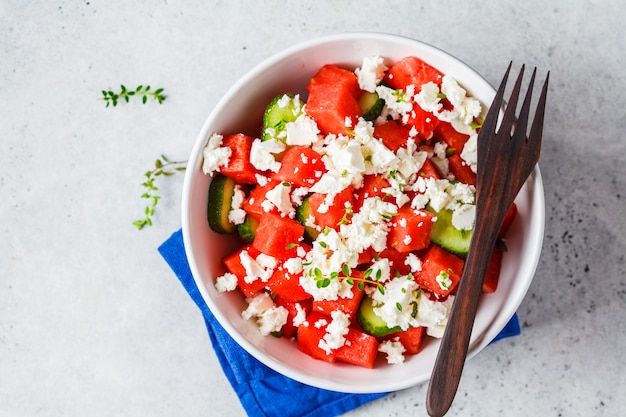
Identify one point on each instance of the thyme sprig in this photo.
(112, 98)
(162, 167)
(322, 281)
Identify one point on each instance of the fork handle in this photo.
(448, 367)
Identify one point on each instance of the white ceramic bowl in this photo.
(240, 110)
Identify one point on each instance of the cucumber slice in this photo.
(370, 322)
(303, 212)
(447, 236)
(247, 229)
(221, 193)
(277, 115)
(371, 105)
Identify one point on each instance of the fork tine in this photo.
(536, 128)
(511, 106)
(521, 126)
(491, 120)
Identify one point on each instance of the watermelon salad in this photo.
(355, 207)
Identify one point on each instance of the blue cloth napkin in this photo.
(262, 391)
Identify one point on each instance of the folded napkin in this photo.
(262, 391)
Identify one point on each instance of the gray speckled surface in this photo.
(93, 322)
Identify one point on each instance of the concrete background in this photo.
(93, 322)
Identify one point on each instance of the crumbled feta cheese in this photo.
(394, 350)
(371, 73)
(261, 179)
(441, 193)
(272, 320)
(401, 198)
(428, 98)
(335, 332)
(409, 160)
(280, 197)
(284, 101)
(320, 323)
(331, 183)
(469, 154)
(259, 268)
(463, 217)
(397, 304)
(237, 215)
(298, 194)
(303, 131)
(267, 261)
(398, 102)
(434, 314)
(293, 265)
(262, 154)
(413, 262)
(226, 282)
(214, 155)
(381, 270)
(443, 279)
(465, 108)
(300, 316)
(344, 163)
(269, 317)
(257, 305)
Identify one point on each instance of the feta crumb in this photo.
(371, 73)
(470, 152)
(463, 217)
(214, 154)
(320, 323)
(413, 262)
(261, 179)
(267, 261)
(257, 304)
(298, 194)
(303, 131)
(434, 314)
(254, 268)
(300, 316)
(443, 279)
(428, 98)
(280, 197)
(394, 350)
(381, 269)
(262, 154)
(398, 102)
(465, 109)
(284, 101)
(397, 304)
(335, 332)
(226, 282)
(272, 320)
(237, 215)
(293, 265)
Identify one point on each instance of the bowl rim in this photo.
(534, 183)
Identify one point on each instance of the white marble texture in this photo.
(92, 321)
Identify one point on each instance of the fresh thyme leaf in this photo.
(112, 98)
(165, 167)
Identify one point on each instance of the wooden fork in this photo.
(505, 159)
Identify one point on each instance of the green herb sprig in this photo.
(112, 98)
(322, 281)
(162, 167)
